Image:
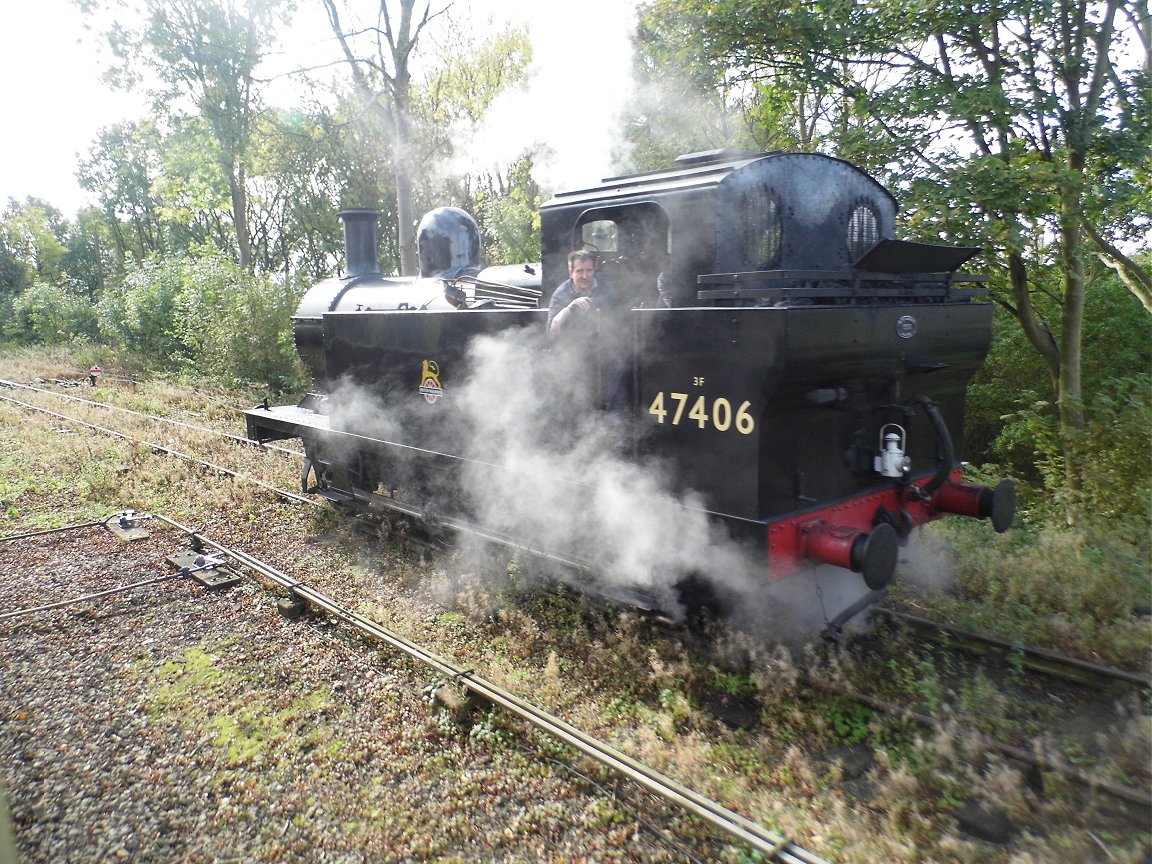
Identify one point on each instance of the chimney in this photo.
(360, 249)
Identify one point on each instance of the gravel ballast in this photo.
(173, 723)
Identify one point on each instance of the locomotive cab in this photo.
(632, 247)
(788, 328)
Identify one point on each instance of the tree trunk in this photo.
(1135, 278)
(1033, 327)
(1071, 392)
(236, 180)
(402, 168)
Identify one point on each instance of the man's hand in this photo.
(581, 304)
(576, 307)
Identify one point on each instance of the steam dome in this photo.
(448, 241)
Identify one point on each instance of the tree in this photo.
(507, 210)
(32, 234)
(1015, 124)
(685, 99)
(91, 257)
(192, 198)
(121, 169)
(427, 117)
(304, 171)
(383, 80)
(452, 103)
(208, 51)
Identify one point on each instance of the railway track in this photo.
(1038, 660)
(213, 568)
(151, 418)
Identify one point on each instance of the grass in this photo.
(1079, 591)
(650, 691)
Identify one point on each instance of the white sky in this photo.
(55, 102)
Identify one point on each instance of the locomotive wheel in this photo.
(874, 555)
(702, 603)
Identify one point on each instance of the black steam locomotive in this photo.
(785, 369)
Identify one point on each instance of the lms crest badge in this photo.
(430, 382)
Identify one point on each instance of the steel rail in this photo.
(1044, 658)
(238, 439)
(119, 589)
(385, 502)
(371, 498)
(1036, 760)
(776, 847)
(12, 537)
(162, 449)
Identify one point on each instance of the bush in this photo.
(1013, 418)
(45, 314)
(1117, 484)
(238, 326)
(140, 312)
(1013, 391)
(206, 314)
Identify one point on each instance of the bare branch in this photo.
(1135, 278)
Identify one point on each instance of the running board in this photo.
(336, 496)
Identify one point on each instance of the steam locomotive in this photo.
(793, 374)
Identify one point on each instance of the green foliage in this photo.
(1012, 419)
(302, 172)
(120, 170)
(14, 273)
(237, 327)
(140, 312)
(470, 77)
(1076, 590)
(50, 315)
(508, 214)
(205, 313)
(850, 721)
(1117, 487)
(205, 52)
(191, 192)
(686, 99)
(31, 239)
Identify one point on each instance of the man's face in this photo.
(582, 272)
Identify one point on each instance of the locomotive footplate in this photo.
(282, 422)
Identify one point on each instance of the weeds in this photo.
(1076, 591)
(621, 679)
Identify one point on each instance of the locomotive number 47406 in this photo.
(721, 416)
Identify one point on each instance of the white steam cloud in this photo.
(568, 478)
(569, 112)
(535, 460)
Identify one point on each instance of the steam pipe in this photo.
(948, 457)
